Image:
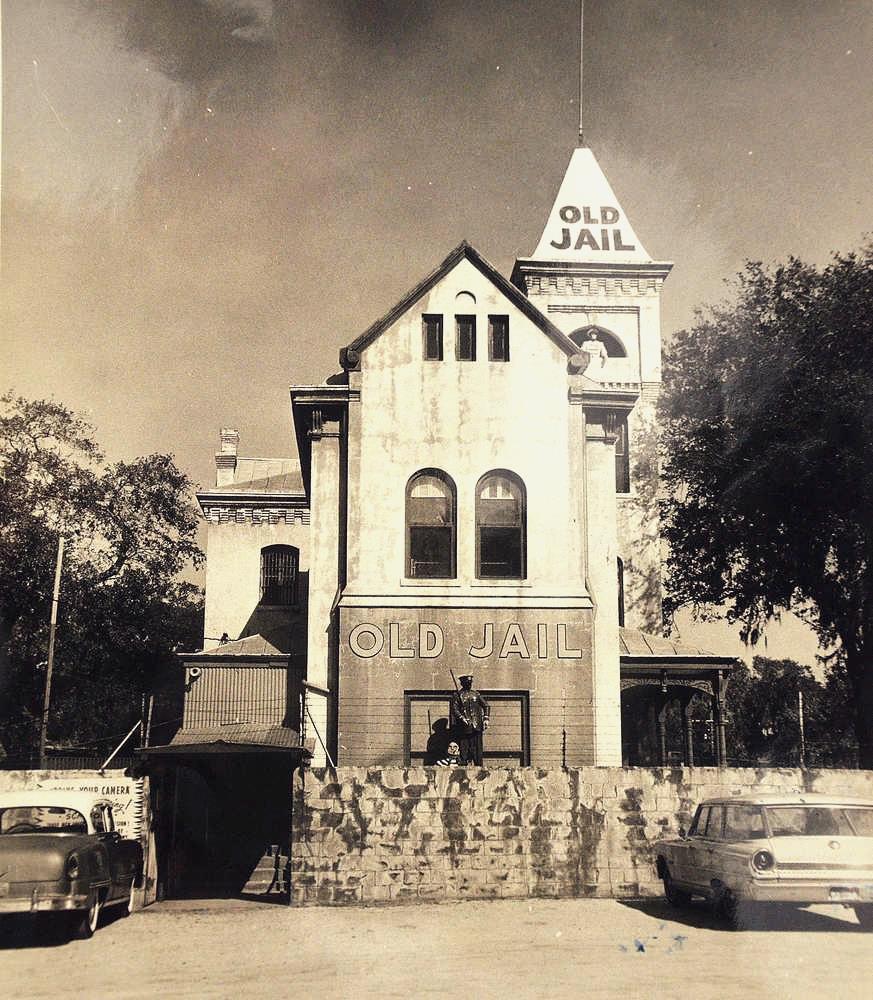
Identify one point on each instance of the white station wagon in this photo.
(794, 849)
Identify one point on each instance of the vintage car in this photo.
(61, 854)
(796, 849)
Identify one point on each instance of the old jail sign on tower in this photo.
(586, 238)
(587, 224)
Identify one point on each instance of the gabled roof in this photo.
(463, 251)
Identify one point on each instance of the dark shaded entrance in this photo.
(222, 818)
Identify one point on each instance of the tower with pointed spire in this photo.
(592, 276)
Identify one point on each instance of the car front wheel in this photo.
(674, 895)
(865, 916)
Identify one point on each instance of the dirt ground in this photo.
(508, 949)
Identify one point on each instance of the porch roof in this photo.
(644, 649)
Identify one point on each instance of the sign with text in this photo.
(587, 223)
(467, 637)
(124, 793)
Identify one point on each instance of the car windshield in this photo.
(41, 819)
(820, 821)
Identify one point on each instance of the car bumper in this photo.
(808, 891)
(37, 902)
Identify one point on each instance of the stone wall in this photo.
(395, 835)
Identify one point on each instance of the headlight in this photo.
(762, 861)
(72, 869)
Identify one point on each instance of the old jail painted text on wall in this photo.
(367, 640)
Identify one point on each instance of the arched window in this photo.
(622, 457)
(279, 574)
(619, 563)
(430, 525)
(500, 527)
(614, 347)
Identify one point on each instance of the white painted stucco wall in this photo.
(465, 418)
(233, 570)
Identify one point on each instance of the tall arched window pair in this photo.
(431, 526)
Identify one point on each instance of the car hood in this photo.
(37, 857)
(823, 852)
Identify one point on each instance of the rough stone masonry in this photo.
(395, 835)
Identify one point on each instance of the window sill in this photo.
(516, 583)
(431, 582)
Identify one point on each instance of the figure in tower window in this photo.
(595, 349)
(469, 713)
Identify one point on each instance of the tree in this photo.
(764, 716)
(130, 529)
(768, 431)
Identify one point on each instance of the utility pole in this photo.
(51, 653)
(802, 732)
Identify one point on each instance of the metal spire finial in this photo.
(581, 59)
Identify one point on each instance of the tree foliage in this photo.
(768, 430)
(763, 711)
(129, 530)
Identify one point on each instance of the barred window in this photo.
(500, 527)
(279, 574)
(430, 525)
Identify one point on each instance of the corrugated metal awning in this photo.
(237, 737)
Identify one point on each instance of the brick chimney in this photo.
(225, 457)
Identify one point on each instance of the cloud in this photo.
(193, 41)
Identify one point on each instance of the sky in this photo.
(203, 200)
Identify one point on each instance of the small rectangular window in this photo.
(622, 458)
(432, 333)
(465, 347)
(620, 568)
(498, 338)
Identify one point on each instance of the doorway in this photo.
(223, 825)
